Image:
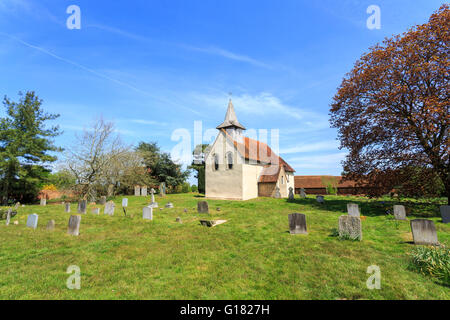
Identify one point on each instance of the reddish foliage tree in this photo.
(392, 112)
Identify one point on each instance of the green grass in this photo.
(252, 256)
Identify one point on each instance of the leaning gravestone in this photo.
(74, 225)
(399, 213)
(297, 223)
(291, 194)
(424, 232)
(445, 214)
(32, 221)
(82, 206)
(277, 194)
(320, 199)
(67, 207)
(353, 210)
(147, 213)
(43, 202)
(351, 227)
(51, 225)
(8, 217)
(137, 191)
(95, 211)
(144, 191)
(302, 193)
(109, 208)
(202, 207)
(103, 200)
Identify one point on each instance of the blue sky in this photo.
(154, 67)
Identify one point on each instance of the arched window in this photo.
(282, 180)
(216, 162)
(230, 160)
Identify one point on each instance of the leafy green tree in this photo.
(62, 179)
(160, 166)
(199, 166)
(25, 143)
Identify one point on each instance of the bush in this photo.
(186, 188)
(433, 262)
(194, 188)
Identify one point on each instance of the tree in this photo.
(392, 111)
(93, 156)
(199, 165)
(25, 143)
(160, 166)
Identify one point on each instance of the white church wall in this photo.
(250, 177)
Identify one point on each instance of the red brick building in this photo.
(317, 185)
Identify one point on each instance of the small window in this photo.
(216, 162)
(230, 160)
(282, 180)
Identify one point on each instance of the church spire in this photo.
(231, 120)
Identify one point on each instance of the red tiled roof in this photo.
(316, 182)
(269, 174)
(258, 151)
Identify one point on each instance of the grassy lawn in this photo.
(252, 256)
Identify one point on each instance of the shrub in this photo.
(186, 188)
(194, 188)
(433, 262)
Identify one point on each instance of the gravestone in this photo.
(144, 191)
(82, 206)
(202, 207)
(424, 232)
(95, 211)
(320, 199)
(51, 225)
(17, 206)
(297, 223)
(124, 202)
(147, 213)
(162, 189)
(445, 214)
(137, 191)
(353, 210)
(74, 225)
(291, 194)
(350, 226)
(302, 193)
(110, 191)
(109, 208)
(212, 223)
(32, 221)
(185, 210)
(179, 220)
(103, 200)
(277, 194)
(67, 207)
(169, 205)
(399, 213)
(8, 217)
(153, 204)
(43, 202)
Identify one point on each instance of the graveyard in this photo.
(239, 250)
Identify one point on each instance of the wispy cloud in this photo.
(312, 147)
(149, 122)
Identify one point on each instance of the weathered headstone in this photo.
(320, 199)
(124, 202)
(302, 193)
(353, 210)
(297, 223)
(212, 223)
(144, 191)
(445, 214)
(153, 204)
(350, 226)
(102, 200)
(8, 217)
(67, 207)
(17, 206)
(43, 202)
(95, 211)
(74, 225)
(51, 225)
(148, 213)
(162, 189)
(137, 191)
(202, 207)
(82, 206)
(109, 208)
(169, 205)
(399, 212)
(179, 220)
(291, 194)
(424, 232)
(185, 210)
(277, 194)
(32, 221)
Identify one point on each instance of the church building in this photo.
(240, 168)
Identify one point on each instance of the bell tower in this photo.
(232, 125)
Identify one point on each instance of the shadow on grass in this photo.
(373, 208)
